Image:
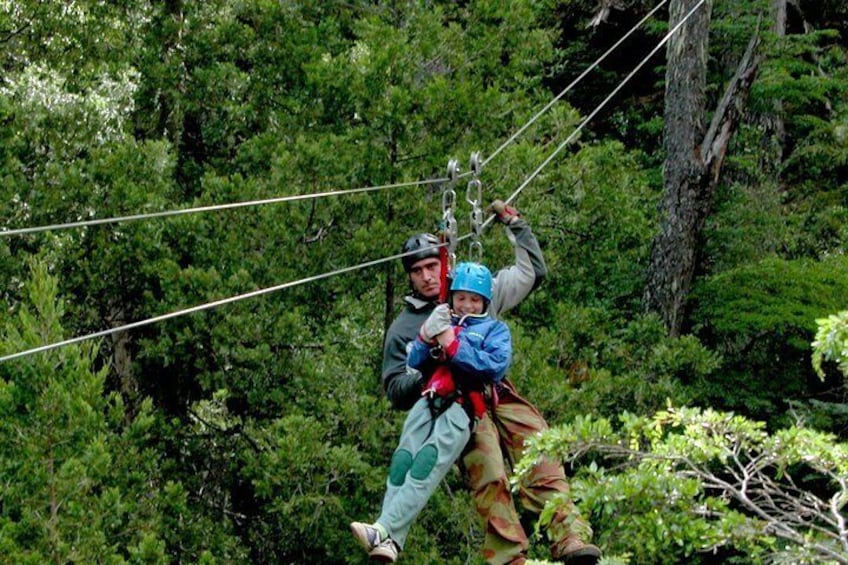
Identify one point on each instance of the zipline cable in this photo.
(565, 91)
(594, 112)
(205, 306)
(268, 290)
(230, 206)
(213, 207)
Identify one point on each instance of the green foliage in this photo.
(800, 95)
(770, 296)
(831, 343)
(760, 317)
(82, 482)
(749, 222)
(596, 227)
(584, 362)
(685, 484)
(318, 476)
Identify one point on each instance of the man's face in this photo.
(425, 277)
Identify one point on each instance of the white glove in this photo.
(439, 321)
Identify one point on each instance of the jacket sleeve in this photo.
(512, 284)
(488, 362)
(419, 354)
(402, 384)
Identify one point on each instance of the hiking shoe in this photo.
(367, 535)
(577, 552)
(387, 551)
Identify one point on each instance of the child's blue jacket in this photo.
(481, 353)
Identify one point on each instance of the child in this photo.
(459, 352)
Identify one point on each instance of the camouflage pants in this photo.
(505, 539)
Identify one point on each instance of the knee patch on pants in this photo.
(424, 462)
(401, 462)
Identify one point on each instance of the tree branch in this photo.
(8, 36)
(722, 126)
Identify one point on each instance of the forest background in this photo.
(255, 431)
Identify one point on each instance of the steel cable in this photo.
(573, 83)
(259, 292)
(213, 207)
(597, 109)
(4, 232)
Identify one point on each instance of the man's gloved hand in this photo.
(439, 321)
(505, 213)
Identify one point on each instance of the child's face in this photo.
(465, 302)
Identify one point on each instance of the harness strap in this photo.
(438, 405)
(443, 277)
(468, 406)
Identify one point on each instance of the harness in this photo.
(438, 403)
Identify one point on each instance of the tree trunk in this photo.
(694, 158)
(774, 136)
(684, 173)
(122, 362)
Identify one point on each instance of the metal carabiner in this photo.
(437, 353)
(449, 224)
(474, 196)
(475, 164)
(474, 185)
(448, 201)
(475, 251)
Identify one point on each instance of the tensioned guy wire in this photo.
(565, 91)
(206, 306)
(210, 208)
(600, 106)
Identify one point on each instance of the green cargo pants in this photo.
(513, 420)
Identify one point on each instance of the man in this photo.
(464, 349)
(511, 418)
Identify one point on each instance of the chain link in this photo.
(449, 223)
(474, 196)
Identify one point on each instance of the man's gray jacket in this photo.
(511, 285)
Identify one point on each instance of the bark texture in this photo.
(694, 156)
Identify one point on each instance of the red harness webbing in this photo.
(443, 277)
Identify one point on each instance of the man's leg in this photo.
(517, 419)
(505, 540)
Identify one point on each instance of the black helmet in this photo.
(426, 245)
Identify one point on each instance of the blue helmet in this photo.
(473, 277)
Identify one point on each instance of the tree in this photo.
(694, 156)
(82, 481)
(687, 482)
